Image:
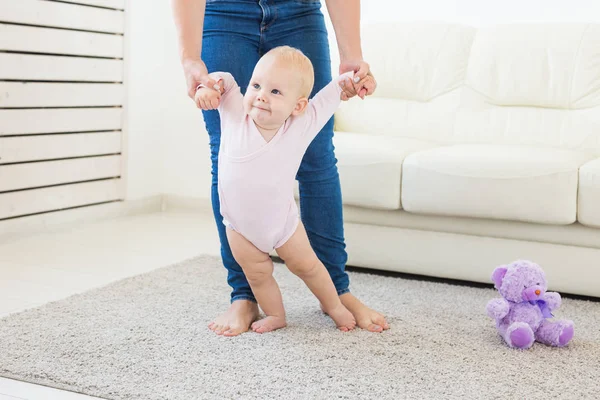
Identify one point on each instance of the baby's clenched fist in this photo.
(207, 99)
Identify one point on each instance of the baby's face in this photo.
(273, 93)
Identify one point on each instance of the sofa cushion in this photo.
(421, 62)
(494, 181)
(543, 65)
(533, 84)
(588, 211)
(419, 75)
(370, 167)
(429, 121)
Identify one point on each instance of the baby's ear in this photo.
(300, 106)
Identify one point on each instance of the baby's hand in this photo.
(207, 99)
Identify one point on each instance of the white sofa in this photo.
(479, 147)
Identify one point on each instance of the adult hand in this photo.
(364, 82)
(196, 73)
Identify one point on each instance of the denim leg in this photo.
(230, 44)
(321, 206)
(302, 25)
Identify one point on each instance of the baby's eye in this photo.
(275, 91)
(256, 86)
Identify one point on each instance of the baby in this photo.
(264, 135)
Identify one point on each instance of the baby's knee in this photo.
(305, 268)
(258, 274)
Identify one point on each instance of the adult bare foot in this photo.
(236, 320)
(366, 318)
(344, 320)
(269, 324)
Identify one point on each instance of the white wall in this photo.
(482, 12)
(143, 58)
(167, 143)
(168, 146)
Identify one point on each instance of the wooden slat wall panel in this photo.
(61, 104)
(35, 94)
(33, 201)
(50, 13)
(59, 41)
(51, 147)
(119, 4)
(36, 121)
(57, 68)
(47, 173)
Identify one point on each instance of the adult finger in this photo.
(361, 73)
(205, 80)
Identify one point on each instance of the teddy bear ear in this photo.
(498, 275)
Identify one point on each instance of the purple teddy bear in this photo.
(521, 314)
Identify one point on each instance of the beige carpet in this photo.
(146, 338)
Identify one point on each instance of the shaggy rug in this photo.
(146, 337)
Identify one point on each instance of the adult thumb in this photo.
(208, 82)
(363, 70)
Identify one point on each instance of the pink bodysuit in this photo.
(256, 177)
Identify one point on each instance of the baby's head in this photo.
(280, 85)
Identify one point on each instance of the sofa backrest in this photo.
(533, 84)
(420, 69)
(529, 84)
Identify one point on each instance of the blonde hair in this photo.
(300, 63)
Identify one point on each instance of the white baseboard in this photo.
(172, 202)
(15, 228)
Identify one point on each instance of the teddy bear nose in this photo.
(537, 292)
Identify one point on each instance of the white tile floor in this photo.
(47, 267)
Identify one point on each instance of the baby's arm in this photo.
(323, 105)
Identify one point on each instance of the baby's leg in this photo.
(258, 268)
(303, 262)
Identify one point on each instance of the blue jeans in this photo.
(236, 34)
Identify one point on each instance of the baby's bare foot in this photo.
(236, 320)
(366, 318)
(343, 318)
(269, 324)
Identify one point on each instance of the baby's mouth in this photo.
(261, 108)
